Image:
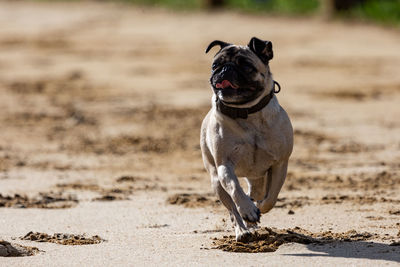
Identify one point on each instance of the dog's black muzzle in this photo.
(246, 91)
(227, 72)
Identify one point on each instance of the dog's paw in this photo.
(243, 235)
(266, 205)
(248, 211)
(252, 226)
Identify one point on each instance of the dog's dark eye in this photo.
(248, 68)
(214, 66)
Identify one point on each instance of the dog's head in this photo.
(240, 74)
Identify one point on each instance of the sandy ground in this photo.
(101, 106)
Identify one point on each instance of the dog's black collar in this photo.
(243, 113)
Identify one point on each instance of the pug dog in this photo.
(246, 133)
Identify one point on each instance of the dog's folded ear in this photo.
(263, 49)
(216, 42)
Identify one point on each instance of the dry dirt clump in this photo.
(78, 186)
(121, 145)
(394, 212)
(352, 95)
(8, 249)
(140, 183)
(353, 147)
(329, 199)
(111, 197)
(269, 240)
(175, 124)
(72, 83)
(127, 178)
(297, 202)
(126, 186)
(384, 179)
(42, 201)
(357, 199)
(266, 240)
(107, 193)
(63, 239)
(193, 200)
(367, 92)
(358, 181)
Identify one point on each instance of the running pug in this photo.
(246, 133)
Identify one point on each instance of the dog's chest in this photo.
(255, 155)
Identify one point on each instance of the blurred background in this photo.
(381, 11)
(102, 102)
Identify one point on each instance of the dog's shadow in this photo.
(351, 245)
(351, 249)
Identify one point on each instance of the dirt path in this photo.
(101, 110)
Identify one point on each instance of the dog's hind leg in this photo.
(276, 178)
(257, 188)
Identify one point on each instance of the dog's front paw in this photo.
(248, 211)
(243, 235)
(252, 226)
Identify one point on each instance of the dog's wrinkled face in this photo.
(240, 73)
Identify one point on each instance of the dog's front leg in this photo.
(230, 183)
(241, 231)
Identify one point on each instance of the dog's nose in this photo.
(228, 72)
(226, 68)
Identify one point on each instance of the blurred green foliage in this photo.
(276, 6)
(383, 11)
(175, 4)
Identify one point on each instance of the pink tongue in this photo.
(224, 84)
